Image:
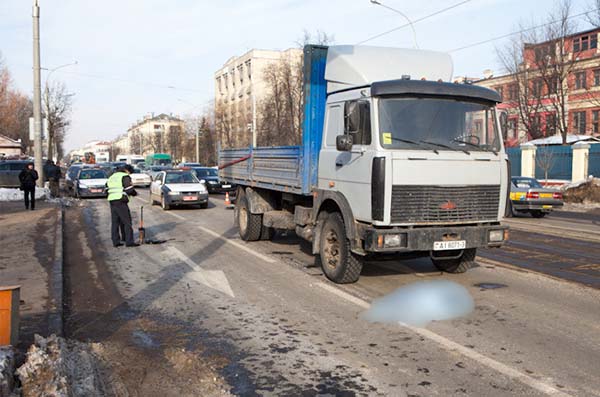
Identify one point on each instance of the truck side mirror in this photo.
(343, 143)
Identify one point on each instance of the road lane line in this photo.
(176, 215)
(451, 346)
(215, 279)
(236, 244)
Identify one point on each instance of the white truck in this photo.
(394, 159)
(133, 159)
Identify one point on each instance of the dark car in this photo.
(211, 177)
(528, 195)
(86, 181)
(9, 172)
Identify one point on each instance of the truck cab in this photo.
(394, 159)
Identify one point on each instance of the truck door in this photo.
(349, 172)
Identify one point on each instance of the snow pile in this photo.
(584, 192)
(7, 367)
(17, 195)
(57, 367)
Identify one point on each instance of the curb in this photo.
(55, 284)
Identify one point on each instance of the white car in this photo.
(138, 178)
(178, 187)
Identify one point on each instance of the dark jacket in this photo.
(53, 172)
(27, 178)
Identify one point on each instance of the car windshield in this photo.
(526, 183)
(436, 123)
(181, 177)
(201, 172)
(92, 174)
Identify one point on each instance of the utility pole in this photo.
(253, 119)
(198, 143)
(37, 95)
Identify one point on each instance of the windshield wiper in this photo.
(475, 145)
(413, 143)
(446, 146)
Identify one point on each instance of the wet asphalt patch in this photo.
(485, 286)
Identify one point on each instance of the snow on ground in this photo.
(17, 195)
(7, 364)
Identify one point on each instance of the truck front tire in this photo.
(339, 264)
(457, 265)
(250, 224)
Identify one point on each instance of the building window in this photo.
(241, 73)
(542, 52)
(597, 77)
(226, 81)
(512, 128)
(580, 80)
(536, 126)
(596, 121)
(500, 92)
(550, 124)
(584, 43)
(552, 86)
(512, 92)
(249, 69)
(579, 122)
(233, 78)
(537, 87)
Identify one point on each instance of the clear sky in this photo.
(135, 57)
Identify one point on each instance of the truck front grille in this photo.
(444, 204)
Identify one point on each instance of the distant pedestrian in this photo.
(54, 174)
(28, 177)
(119, 188)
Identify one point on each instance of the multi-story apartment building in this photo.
(163, 133)
(567, 92)
(240, 87)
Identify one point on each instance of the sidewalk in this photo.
(31, 256)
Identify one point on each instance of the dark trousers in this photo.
(54, 187)
(29, 193)
(121, 218)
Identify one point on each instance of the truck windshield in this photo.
(436, 123)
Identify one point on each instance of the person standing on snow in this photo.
(53, 173)
(119, 188)
(27, 178)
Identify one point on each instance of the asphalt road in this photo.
(273, 325)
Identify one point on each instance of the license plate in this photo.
(96, 190)
(190, 198)
(546, 207)
(449, 245)
(226, 186)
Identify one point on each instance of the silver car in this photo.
(527, 195)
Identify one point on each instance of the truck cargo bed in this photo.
(276, 168)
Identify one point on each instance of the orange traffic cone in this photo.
(227, 201)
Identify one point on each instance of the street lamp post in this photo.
(377, 2)
(47, 100)
(37, 95)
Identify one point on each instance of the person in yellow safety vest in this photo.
(119, 189)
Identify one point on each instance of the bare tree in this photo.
(545, 159)
(224, 124)
(593, 16)
(175, 138)
(15, 109)
(57, 110)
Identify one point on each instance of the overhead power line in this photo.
(415, 21)
(517, 32)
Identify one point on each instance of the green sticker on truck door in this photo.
(387, 138)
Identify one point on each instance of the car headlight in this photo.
(83, 186)
(173, 193)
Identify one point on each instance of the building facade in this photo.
(240, 86)
(163, 133)
(546, 96)
(10, 148)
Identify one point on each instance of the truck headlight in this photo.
(392, 240)
(496, 236)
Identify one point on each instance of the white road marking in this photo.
(215, 279)
(451, 346)
(176, 215)
(238, 245)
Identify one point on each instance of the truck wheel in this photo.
(250, 224)
(267, 233)
(339, 264)
(458, 265)
(538, 214)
